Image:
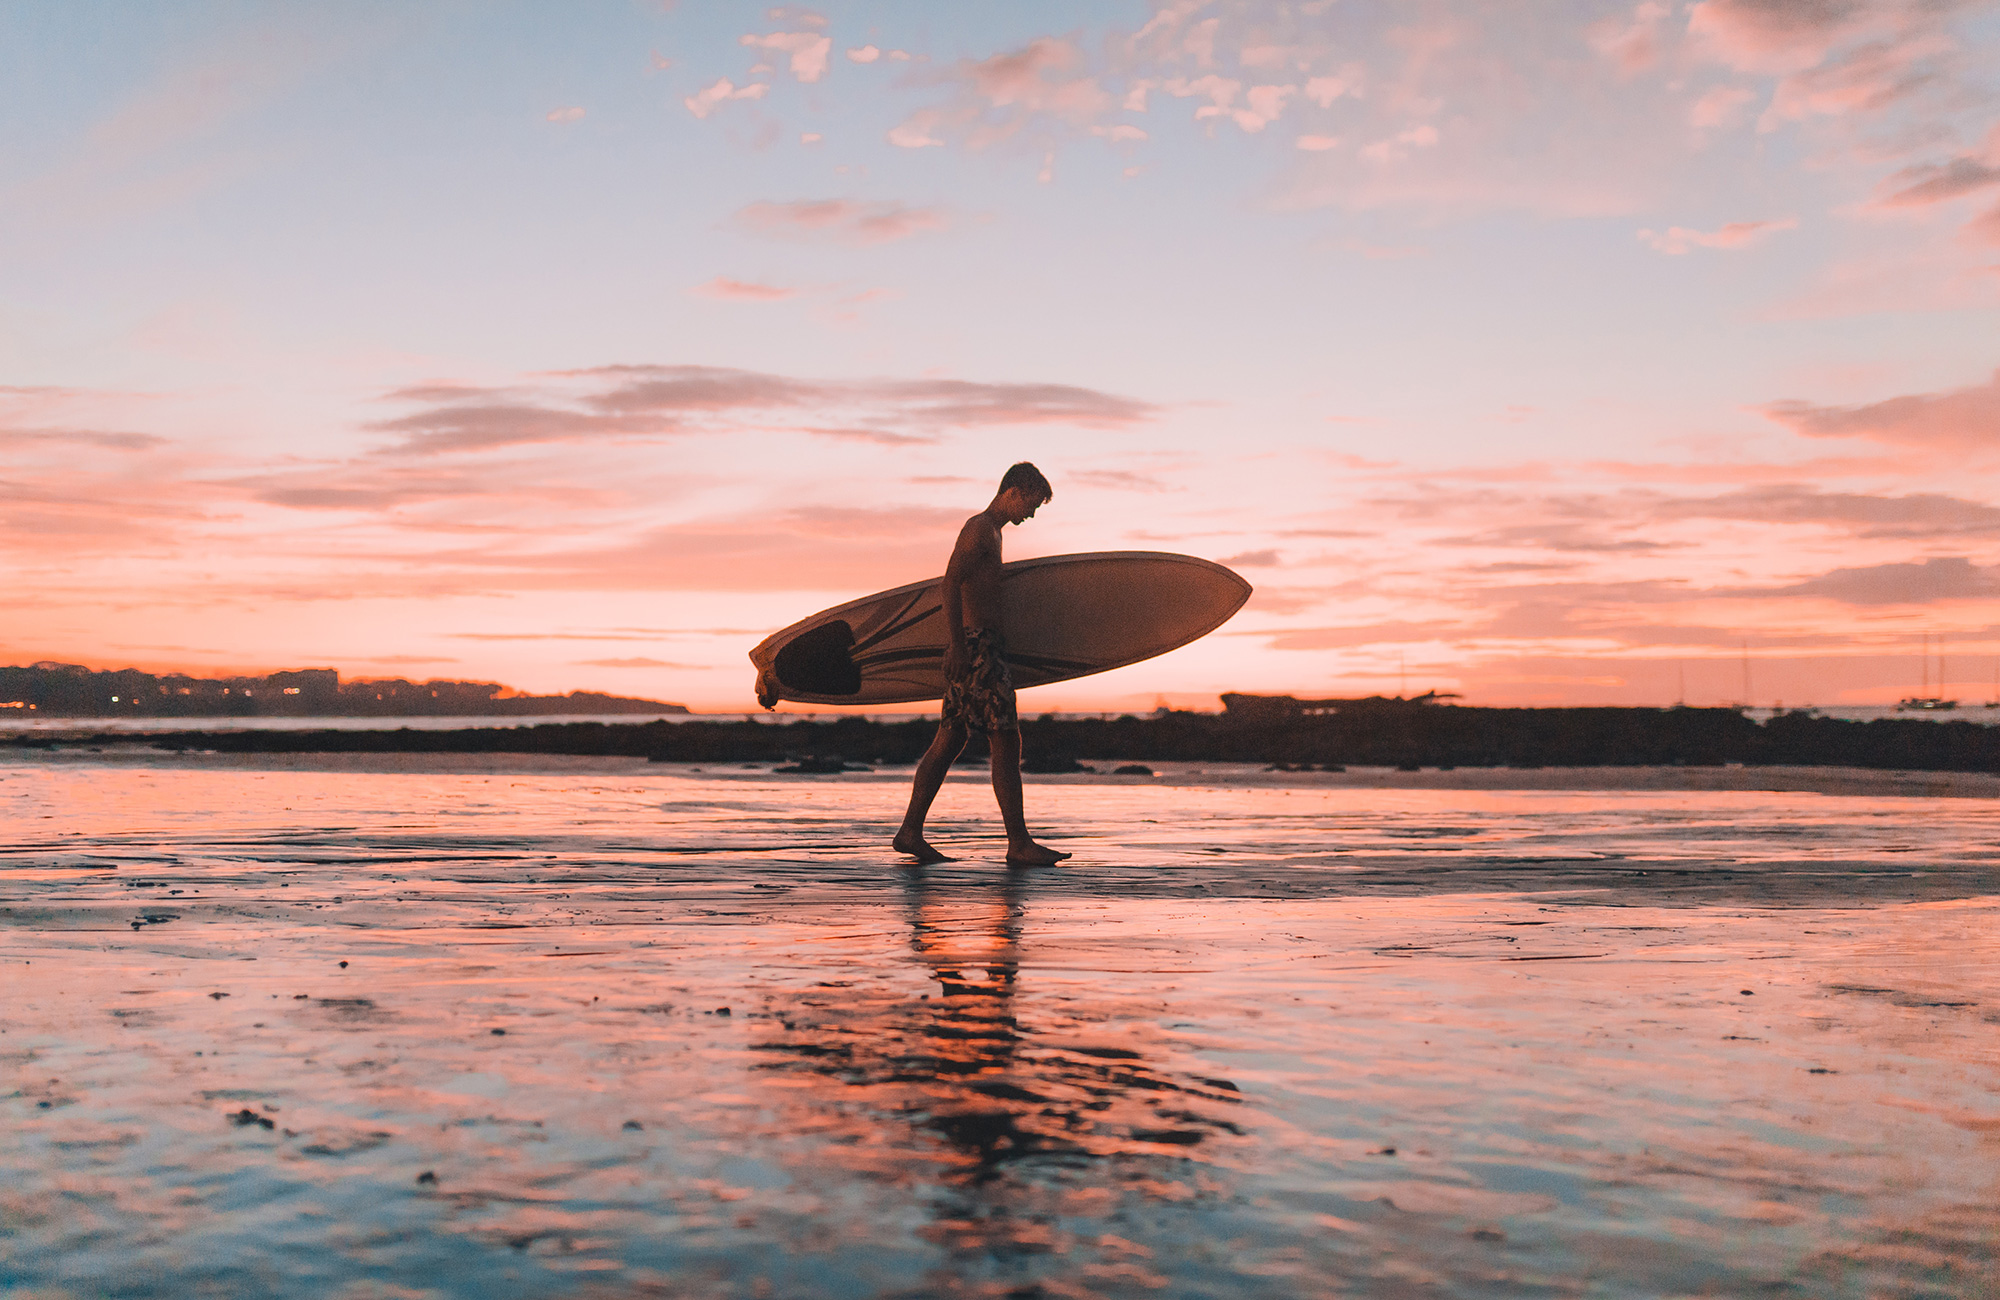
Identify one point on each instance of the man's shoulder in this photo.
(977, 527)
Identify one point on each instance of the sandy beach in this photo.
(414, 1026)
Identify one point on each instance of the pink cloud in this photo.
(1397, 147)
(1866, 515)
(1941, 578)
(1042, 85)
(1775, 35)
(639, 661)
(1941, 182)
(570, 114)
(1633, 43)
(1719, 107)
(1677, 240)
(1118, 480)
(645, 402)
(1955, 178)
(845, 221)
(706, 101)
(742, 290)
(864, 54)
(1962, 420)
(1325, 90)
(808, 548)
(808, 51)
(916, 131)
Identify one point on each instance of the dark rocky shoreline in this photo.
(1437, 736)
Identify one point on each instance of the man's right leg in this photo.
(932, 769)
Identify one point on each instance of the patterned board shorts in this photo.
(982, 697)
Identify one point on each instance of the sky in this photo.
(1584, 353)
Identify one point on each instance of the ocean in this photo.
(492, 1026)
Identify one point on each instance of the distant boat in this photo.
(1928, 703)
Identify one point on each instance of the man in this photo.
(979, 691)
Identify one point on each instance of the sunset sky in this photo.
(1550, 354)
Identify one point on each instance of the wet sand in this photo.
(1269, 1034)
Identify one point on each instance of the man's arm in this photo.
(965, 558)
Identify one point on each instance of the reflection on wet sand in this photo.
(563, 1031)
(1012, 1126)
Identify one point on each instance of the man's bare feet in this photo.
(1031, 854)
(919, 848)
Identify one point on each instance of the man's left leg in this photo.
(925, 783)
(1022, 851)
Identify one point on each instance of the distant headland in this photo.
(56, 690)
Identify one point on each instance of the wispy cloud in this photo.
(1676, 240)
(843, 221)
(640, 661)
(742, 290)
(614, 402)
(806, 51)
(713, 96)
(1941, 578)
(1965, 420)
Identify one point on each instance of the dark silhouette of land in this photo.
(1387, 734)
(55, 690)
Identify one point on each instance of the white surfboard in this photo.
(1066, 616)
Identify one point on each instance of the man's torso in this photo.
(979, 574)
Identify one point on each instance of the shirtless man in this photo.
(979, 691)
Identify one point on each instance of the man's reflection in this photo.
(952, 1087)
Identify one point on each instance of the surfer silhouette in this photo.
(979, 691)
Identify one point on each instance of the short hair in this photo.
(1025, 475)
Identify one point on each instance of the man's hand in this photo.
(954, 659)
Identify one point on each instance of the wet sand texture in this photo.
(646, 1032)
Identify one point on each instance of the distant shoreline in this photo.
(1443, 737)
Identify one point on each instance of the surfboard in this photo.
(1067, 616)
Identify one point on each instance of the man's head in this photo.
(1022, 492)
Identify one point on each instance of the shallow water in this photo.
(1259, 1038)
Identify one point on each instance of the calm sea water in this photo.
(21, 721)
(410, 1026)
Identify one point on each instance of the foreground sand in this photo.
(1269, 1034)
